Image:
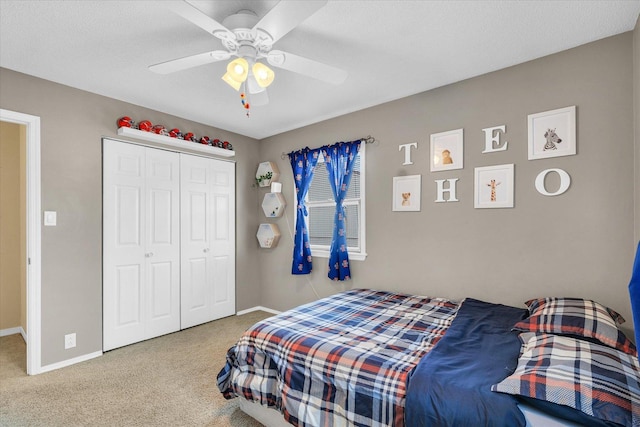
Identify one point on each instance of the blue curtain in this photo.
(339, 159)
(634, 294)
(303, 163)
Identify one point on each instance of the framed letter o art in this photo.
(565, 182)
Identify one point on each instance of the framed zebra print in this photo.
(552, 133)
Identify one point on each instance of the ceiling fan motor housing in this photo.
(249, 41)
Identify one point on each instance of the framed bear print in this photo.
(552, 133)
(406, 193)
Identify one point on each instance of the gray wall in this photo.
(577, 244)
(72, 125)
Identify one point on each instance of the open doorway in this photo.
(27, 248)
(13, 232)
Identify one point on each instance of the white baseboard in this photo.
(70, 362)
(12, 331)
(257, 308)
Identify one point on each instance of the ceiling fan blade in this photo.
(308, 67)
(189, 62)
(285, 16)
(196, 16)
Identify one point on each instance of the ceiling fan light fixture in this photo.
(264, 75)
(239, 69)
(228, 78)
(253, 86)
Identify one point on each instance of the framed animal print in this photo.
(406, 193)
(493, 187)
(552, 133)
(447, 150)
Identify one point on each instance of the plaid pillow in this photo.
(579, 318)
(599, 381)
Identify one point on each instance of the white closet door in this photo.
(208, 233)
(196, 218)
(141, 243)
(124, 268)
(162, 242)
(223, 238)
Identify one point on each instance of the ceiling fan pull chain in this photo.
(244, 98)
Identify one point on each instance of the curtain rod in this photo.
(367, 140)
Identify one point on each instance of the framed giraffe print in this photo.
(493, 187)
(447, 150)
(552, 133)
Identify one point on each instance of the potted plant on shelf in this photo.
(264, 180)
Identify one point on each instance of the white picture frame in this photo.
(447, 150)
(406, 193)
(552, 133)
(493, 187)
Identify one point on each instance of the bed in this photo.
(374, 358)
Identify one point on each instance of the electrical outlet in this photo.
(69, 341)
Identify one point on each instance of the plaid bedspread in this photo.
(341, 360)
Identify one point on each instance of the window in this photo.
(321, 207)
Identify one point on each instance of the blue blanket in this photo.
(451, 386)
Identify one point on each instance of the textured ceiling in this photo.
(391, 49)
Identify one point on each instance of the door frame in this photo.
(34, 236)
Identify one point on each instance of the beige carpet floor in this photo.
(166, 381)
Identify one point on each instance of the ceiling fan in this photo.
(251, 40)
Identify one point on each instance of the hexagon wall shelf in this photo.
(273, 205)
(267, 172)
(268, 235)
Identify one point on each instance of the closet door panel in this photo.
(124, 266)
(196, 219)
(128, 216)
(163, 242)
(161, 291)
(223, 238)
(221, 290)
(196, 300)
(128, 296)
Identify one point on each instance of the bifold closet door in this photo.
(207, 207)
(141, 243)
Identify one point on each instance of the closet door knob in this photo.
(149, 255)
(205, 250)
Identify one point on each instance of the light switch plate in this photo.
(50, 218)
